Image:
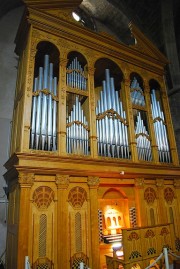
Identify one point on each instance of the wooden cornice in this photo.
(53, 4)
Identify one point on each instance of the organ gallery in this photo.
(93, 155)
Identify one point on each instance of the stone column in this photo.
(140, 203)
(93, 183)
(162, 215)
(62, 182)
(26, 181)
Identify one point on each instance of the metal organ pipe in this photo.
(44, 109)
(142, 139)
(137, 96)
(160, 129)
(111, 122)
(75, 76)
(77, 130)
(44, 102)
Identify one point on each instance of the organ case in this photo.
(89, 112)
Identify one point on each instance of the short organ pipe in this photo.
(77, 131)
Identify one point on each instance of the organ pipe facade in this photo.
(91, 132)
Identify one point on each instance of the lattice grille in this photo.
(42, 266)
(78, 232)
(77, 258)
(133, 218)
(100, 222)
(42, 236)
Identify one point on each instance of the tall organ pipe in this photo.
(44, 102)
(39, 105)
(44, 109)
(160, 129)
(54, 125)
(49, 107)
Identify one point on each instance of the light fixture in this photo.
(76, 16)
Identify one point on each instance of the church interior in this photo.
(90, 145)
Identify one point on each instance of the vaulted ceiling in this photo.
(116, 14)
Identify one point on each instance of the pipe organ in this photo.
(91, 132)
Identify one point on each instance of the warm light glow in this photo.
(117, 245)
(119, 253)
(76, 16)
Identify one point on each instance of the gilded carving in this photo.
(177, 183)
(169, 195)
(139, 183)
(43, 196)
(62, 181)
(150, 195)
(26, 178)
(133, 236)
(93, 181)
(77, 196)
(160, 183)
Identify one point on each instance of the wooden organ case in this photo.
(93, 150)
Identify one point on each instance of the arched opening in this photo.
(44, 100)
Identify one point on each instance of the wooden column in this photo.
(162, 215)
(62, 106)
(140, 204)
(93, 183)
(26, 181)
(177, 194)
(93, 131)
(129, 111)
(170, 131)
(62, 182)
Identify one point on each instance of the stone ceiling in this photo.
(116, 14)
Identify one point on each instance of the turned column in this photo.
(62, 182)
(93, 183)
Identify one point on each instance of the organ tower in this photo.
(93, 154)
